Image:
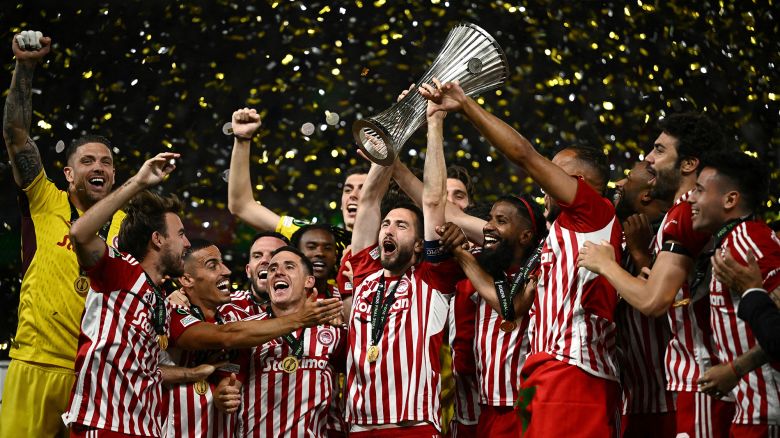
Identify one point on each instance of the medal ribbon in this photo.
(506, 295)
(158, 311)
(380, 309)
(296, 344)
(703, 262)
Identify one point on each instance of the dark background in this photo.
(157, 76)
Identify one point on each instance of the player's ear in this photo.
(731, 199)
(68, 171)
(186, 280)
(310, 281)
(689, 165)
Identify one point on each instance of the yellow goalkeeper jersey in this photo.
(50, 304)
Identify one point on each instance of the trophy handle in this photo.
(373, 141)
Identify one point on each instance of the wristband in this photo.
(242, 138)
(434, 252)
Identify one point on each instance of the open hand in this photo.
(594, 256)
(315, 312)
(447, 97)
(156, 169)
(736, 276)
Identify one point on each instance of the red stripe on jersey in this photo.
(276, 403)
(642, 341)
(500, 355)
(118, 381)
(190, 413)
(574, 307)
(404, 383)
(691, 349)
(461, 319)
(758, 392)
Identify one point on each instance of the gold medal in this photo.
(162, 341)
(508, 326)
(201, 387)
(683, 302)
(81, 285)
(290, 364)
(373, 353)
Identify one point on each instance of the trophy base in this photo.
(372, 139)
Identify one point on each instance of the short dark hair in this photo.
(358, 169)
(145, 214)
(531, 211)
(695, 133)
(197, 245)
(341, 237)
(749, 175)
(596, 160)
(81, 141)
(305, 260)
(461, 174)
(262, 234)
(418, 215)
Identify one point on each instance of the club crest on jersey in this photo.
(403, 288)
(326, 336)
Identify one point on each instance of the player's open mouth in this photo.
(224, 287)
(490, 241)
(653, 173)
(318, 265)
(280, 286)
(694, 212)
(262, 274)
(97, 181)
(352, 208)
(388, 247)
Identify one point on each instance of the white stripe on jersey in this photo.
(500, 356)
(404, 383)
(758, 392)
(642, 342)
(275, 403)
(563, 327)
(690, 350)
(466, 394)
(118, 384)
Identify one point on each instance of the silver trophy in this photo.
(470, 55)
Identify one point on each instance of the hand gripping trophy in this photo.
(470, 55)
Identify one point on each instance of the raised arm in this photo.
(434, 194)
(551, 178)
(17, 116)
(89, 247)
(367, 222)
(241, 201)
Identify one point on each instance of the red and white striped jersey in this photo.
(404, 382)
(244, 300)
(118, 382)
(642, 341)
(500, 355)
(190, 406)
(461, 322)
(691, 349)
(758, 392)
(277, 403)
(574, 306)
(343, 282)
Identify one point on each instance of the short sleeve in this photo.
(364, 263)
(288, 225)
(113, 271)
(761, 240)
(343, 281)
(40, 193)
(678, 226)
(181, 320)
(589, 211)
(442, 276)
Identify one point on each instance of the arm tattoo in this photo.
(27, 163)
(18, 107)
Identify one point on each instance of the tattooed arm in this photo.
(24, 155)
